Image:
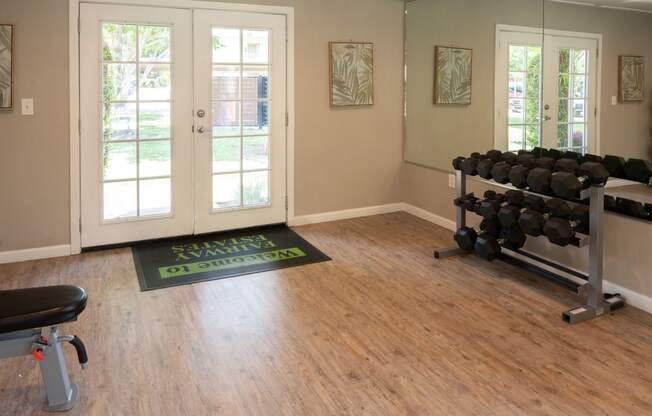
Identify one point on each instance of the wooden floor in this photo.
(380, 330)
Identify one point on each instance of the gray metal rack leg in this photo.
(596, 302)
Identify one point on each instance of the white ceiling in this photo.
(636, 5)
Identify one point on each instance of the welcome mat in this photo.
(186, 260)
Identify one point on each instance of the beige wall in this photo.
(344, 158)
(436, 134)
(34, 174)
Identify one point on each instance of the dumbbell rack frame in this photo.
(587, 286)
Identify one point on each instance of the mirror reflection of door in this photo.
(545, 98)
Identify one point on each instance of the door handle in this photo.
(547, 118)
(201, 129)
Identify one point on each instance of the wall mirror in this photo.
(598, 78)
(454, 49)
(515, 74)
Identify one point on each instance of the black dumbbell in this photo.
(570, 155)
(519, 173)
(509, 214)
(468, 202)
(568, 185)
(560, 231)
(633, 209)
(470, 165)
(500, 171)
(615, 165)
(638, 170)
(538, 180)
(485, 166)
(532, 221)
(588, 157)
(488, 208)
(465, 238)
(566, 165)
(491, 226)
(488, 247)
(553, 153)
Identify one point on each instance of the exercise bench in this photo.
(24, 313)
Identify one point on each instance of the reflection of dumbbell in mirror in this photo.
(508, 215)
(615, 165)
(634, 209)
(519, 173)
(532, 221)
(469, 165)
(488, 247)
(560, 231)
(500, 171)
(485, 167)
(488, 208)
(638, 170)
(569, 185)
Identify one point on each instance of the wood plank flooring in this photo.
(380, 330)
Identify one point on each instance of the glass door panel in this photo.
(135, 130)
(240, 119)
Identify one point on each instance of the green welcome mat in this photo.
(187, 260)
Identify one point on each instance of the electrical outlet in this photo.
(27, 106)
(451, 181)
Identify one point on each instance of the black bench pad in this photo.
(39, 307)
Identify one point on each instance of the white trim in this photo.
(16, 256)
(502, 28)
(75, 169)
(429, 216)
(632, 298)
(346, 214)
(598, 6)
(73, 46)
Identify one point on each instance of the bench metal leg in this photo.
(61, 394)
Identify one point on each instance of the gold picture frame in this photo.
(351, 74)
(7, 35)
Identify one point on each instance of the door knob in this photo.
(547, 118)
(201, 129)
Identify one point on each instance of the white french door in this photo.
(240, 119)
(570, 93)
(546, 90)
(172, 145)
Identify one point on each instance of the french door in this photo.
(546, 91)
(172, 145)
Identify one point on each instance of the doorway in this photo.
(183, 118)
(546, 89)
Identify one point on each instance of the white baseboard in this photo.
(429, 216)
(15, 256)
(633, 298)
(345, 214)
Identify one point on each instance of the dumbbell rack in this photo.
(587, 286)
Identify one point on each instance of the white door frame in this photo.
(500, 28)
(75, 122)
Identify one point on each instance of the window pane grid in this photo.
(240, 118)
(524, 90)
(573, 99)
(149, 47)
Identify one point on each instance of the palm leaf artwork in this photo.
(352, 74)
(6, 34)
(632, 78)
(453, 75)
